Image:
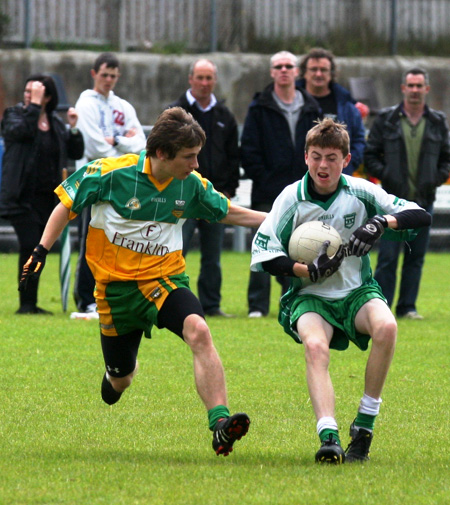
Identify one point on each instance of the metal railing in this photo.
(225, 25)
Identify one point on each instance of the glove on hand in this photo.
(364, 237)
(33, 267)
(323, 265)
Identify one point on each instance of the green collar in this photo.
(304, 195)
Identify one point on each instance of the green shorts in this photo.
(127, 306)
(339, 313)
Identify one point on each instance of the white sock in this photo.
(369, 406)
(328, 423)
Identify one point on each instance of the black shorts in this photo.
(120, 353)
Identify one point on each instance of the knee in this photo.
(121, 383)
(385, 334)
(196, 333)
(317, 351)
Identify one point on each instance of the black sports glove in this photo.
(33, 267)
(323, 265)
(364, 237)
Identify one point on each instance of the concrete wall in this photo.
(151, 81)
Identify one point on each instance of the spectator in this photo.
(408, 150)
(110, 127)
(272, 152)
(218, 162)
(37, 146)
(318, 74)
(139, 203)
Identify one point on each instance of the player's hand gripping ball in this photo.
(323, 265)
(307, 239)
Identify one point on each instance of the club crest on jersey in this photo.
(133, 204)
(261, 241)
(349, 220)
(179, 208)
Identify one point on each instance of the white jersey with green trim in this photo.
(135, 231)
(355, 201)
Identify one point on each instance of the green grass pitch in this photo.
(60, 444)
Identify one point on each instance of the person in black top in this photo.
(37, 145)
(218, 162)
(318, 75)
(273, 152)
(408, 150)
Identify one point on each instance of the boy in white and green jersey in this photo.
(336, 300)
(134, 244)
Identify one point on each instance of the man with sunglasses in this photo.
(272, 152)
(318, 71)
(110, 128)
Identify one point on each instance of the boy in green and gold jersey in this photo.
(134, 249)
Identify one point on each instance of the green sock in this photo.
(324, 434)
(217, 413)
(365, 421)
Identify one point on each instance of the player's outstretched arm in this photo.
(36, 262)
(55, 225)
(364, 237)
(241, 216)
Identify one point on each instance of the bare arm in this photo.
(36, 262)
(55, 225)
(243, 217)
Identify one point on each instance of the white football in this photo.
(307, 239)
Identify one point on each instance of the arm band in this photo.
(413, 218)
(280, 266)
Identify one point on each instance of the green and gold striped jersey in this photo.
(135, 231)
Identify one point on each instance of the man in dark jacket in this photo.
(273, 152)
(219, 163)
(408, 149)
(318, 71)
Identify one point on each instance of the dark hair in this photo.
(416, 71)
(109, 58)
(174, 129)
(315, 54)
(328, 134)
(50, 90)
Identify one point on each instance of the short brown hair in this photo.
(109, 58)
(174, 129)
(329, 134)
(317, 53)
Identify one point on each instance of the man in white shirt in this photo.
(110, 128)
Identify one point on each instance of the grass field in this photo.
(60, 444)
